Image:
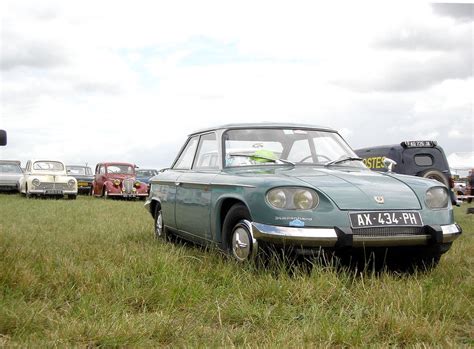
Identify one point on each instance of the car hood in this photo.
(10, 176)
(352, 188)
(120, 176)
(50, 178)
(358, 189)
(85, 178)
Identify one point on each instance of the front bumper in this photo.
(128, 195)
(347, 237)
(51, 192)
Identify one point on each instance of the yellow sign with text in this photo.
(374, 162)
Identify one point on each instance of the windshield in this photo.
(277, 146)
(122, 169)
(146, 173)
(48, 166)
(79, 170)
(10, 168)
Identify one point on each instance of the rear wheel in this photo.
(237, 237)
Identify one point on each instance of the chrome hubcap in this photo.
(241, 244)
(159, 225)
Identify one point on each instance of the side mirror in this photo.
(3, 137)
(389, 164)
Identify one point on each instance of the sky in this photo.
(91, 81)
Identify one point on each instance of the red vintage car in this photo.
(117, 179)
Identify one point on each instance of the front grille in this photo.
(128, 185)
(390, 231)
(44, 186)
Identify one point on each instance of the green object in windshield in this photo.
(263, 155)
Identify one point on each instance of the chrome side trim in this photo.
(325, 237)
(232, 185)
(450, 232)
(173, 183)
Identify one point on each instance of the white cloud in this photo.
(92, 81)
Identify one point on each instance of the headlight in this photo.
(303, 200)
(71, 183)
(277, 198)
(116, 182)
(137, 184)
(437, 197)
(36, 182)
(293, 198)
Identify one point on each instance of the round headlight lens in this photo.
(303, 200)
(277, 198)
(437, 197)
(137, 184)
(116, 182)
(36, 182)
(71, 183)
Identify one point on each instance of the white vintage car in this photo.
(47, 178)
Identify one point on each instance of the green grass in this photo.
(89, 273)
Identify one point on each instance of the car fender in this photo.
(111, 188)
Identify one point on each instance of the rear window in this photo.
(424, 160)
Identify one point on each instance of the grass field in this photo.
(89, 273)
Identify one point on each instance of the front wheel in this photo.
(238, 240)
(160, 232)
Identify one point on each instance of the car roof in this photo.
(115, 163)
(46, 160)
(262, 125)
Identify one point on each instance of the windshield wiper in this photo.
(288, 162)
(344, 159)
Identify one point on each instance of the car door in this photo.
(193, 190)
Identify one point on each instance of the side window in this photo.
(186, 158)
(423, 160)
(102, 169)
(207, 152)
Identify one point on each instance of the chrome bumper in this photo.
(44, 192)
(331, 237)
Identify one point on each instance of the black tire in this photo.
(105, 194)
(237, 240)
(436, 175)
(159, 227)
(71, 197)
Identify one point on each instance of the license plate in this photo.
(82, 184)
(384, 219)
(54, 192)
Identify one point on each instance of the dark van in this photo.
(416, 158)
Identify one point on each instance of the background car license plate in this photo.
(384, 218)
(82, 184)
(54, 192)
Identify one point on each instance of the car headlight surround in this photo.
(293, 198)
(36, 182)
(71, 183)
(116, 182)
(437, 197)
(137, 184)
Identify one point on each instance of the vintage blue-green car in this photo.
(245, 186)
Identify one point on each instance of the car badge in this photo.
(379, 199)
